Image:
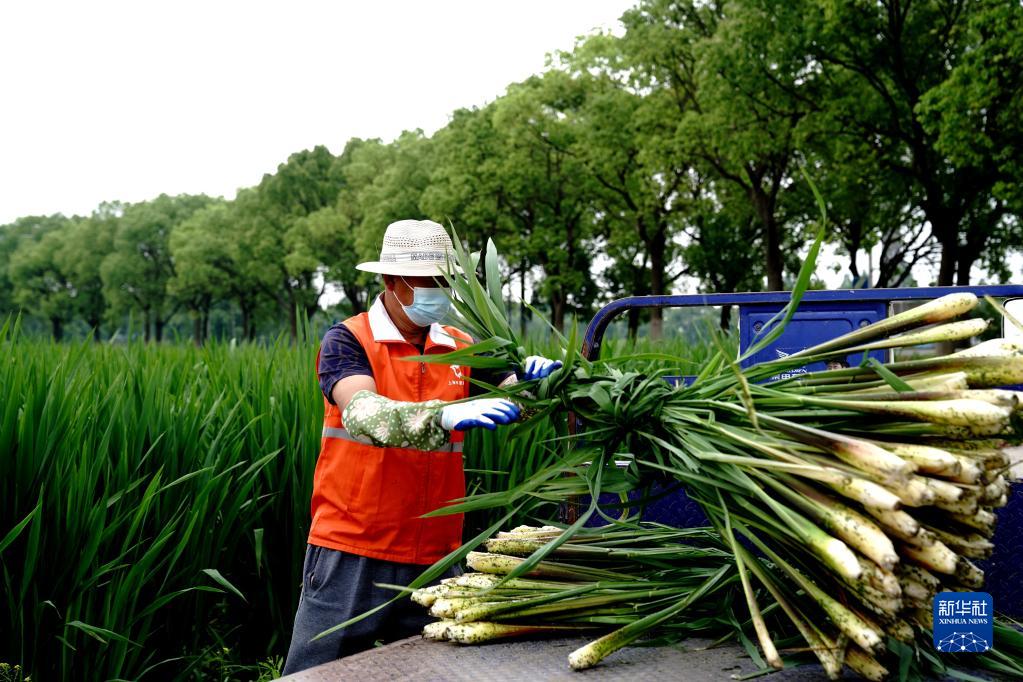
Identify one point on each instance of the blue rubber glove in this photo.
(485, 412)
(537, 367)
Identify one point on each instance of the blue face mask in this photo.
(429, 305)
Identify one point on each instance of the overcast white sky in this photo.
(125, 100)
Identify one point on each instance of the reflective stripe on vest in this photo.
(332, 432)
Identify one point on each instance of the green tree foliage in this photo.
(544, 193)
(868, 212)
(465, 181)
(40, 284)
(379, 183)
(645, 190)
(975, 118)
(387, 183)
(912, 81)
(270, 230)
(466, 190)
(201, 247)
(140, 266)
(547, 193)
(326, 238)
(711, 257)
(86, 243)
(27, 229)
(511, 171)
(741, 92)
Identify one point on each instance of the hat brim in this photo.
(429, 269)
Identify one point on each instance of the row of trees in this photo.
(671, 151)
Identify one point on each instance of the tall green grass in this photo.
(154, 502)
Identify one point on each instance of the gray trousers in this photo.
(337, 586)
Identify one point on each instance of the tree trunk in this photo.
(158, 324)
(976, 241)
(963, 271)
(94, 325)
(197, 329)
(853, 246)
(58, 328)
(558, 310)
(726, 318)
(775, 268)
(947, 268)
(522, 304)
(764, 208)
(657, 267)
(145, 323)
(248, 323)
(945, 228)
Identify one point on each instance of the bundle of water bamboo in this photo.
(847, 497)
(600, 579)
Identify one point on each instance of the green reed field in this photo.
(154, 504)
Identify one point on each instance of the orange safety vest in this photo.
(367, 500)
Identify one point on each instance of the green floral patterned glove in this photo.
(395, 424)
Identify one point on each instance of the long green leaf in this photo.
(13, 534)
(100, 634)
(220, 579)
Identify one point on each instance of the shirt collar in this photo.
(385, 331)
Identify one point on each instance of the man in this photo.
(390, 452)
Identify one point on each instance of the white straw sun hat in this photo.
(416, 248)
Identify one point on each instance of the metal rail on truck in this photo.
(823, 315)
(851, 301)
